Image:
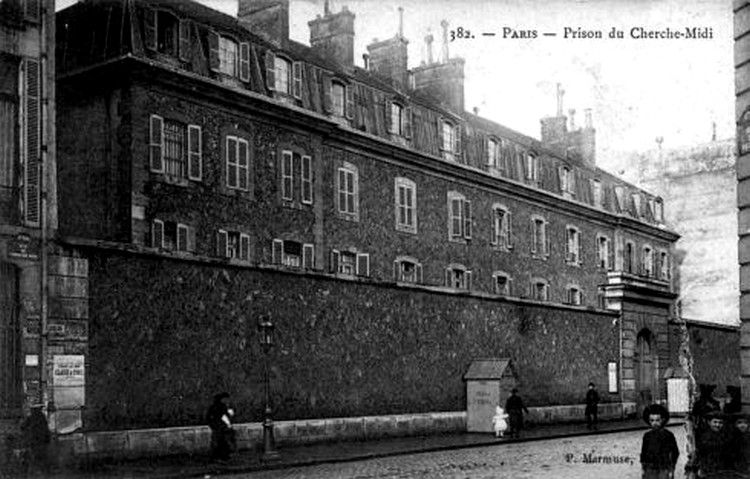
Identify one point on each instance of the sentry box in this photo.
(489, 382)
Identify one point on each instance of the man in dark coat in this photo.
(592, 406)
(713, 448)
(659, 450)
(36, 437)
(222, 434)
(515, 408)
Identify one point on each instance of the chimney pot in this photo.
(589, 121)
(572, 114)
(476, 111)
(366, 59)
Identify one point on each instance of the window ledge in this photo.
(353, 217)
(458, 240)
(295, 205)
(576, 264)
(406, 229)
(542, 257)
(236, 192)
(169, 179)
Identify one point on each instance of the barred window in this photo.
(175, 163)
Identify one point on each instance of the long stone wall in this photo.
(166, 334)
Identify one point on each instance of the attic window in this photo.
(283, 70)
(228, 56)
(337, 98)
(166, 33)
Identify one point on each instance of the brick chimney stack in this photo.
(389, 58)
(332, 35)
(267, 18)
(443, 80)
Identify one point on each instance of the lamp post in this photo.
(265, 328)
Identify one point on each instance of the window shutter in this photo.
(407, 122)
(440, 133)
(495, 227)
(33, 147)
(327, 100)
(307, 193)
(396, 270)
(244, 247)
(31, 10)
(191, 239)
(420, 279)
(243, 159)
(561, 178)
(157, 234)
(182, 238)
(488, 151)
(245, 61)
(509, 236)
(349, 107)
(448, 275)
(184, 40)
(335, 255)
(467, 280)
(546, 238)
(580, 249)
(213, 51)
(195, 152)
(156, 141)
(457, 133)
(308, 256)
(533, 235)
(149, 20)
(388, 107)
(610, 255)
(270, 70)
(277, 249)
(221, 244)
(467, 219)
(363, 264)
(297, 79)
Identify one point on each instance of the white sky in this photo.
(637, 89)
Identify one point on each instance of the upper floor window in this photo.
(647, 261)
(350, 263)
(539, 237)
(664, 265)
(172, 236)
(347, 191)
(657, 209)
(338, 99)
(451, 141)
(459, 217)
(636, 204)
(573, 253)
(539, 289)
(406, 205)
(620, 197)
(228, 56)
(573, 295)
(237, 163)
(407, 270)
(501, 283)
(596, 193)
(400, 120)
(603, 252)
(628, 259)
(293, 254)
(282, 77)
(295, 165)
(494, 154)
(233, 245)
(567, 181)
(502, 224)
(175, 148)
(531, 167)
(458, 277)
(167, 31)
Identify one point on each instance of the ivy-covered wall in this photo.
(166, 334)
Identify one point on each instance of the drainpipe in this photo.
(43, 291)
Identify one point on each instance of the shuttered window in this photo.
(32, 134)
(237, 163)
(8, 121)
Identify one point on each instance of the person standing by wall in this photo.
(36, 438)
(515, 408)
(222, 434)
(592, 407)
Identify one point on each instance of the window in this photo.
(293, 254)
(350, 262)
(647, 261)
(567, 181)
(347, 187)
(337, 97)
(539, 289)
(596, 193)
(658, 210)
(573, 253)
(237, 161)
(501, 283)
(282, 72)
(8, 139)
(166, 33)
(175, 149)
(573, 295)
(407, 270)
(459, 217)
(493, 152)
(233, 245)
(451, 141)
(540, 240)
(664, 265)
(296, 165)
(620, 197)
(636, 204)
(172, 236)
(531, 167)
(628, 259)
(228, 57)
(458, 277)
(602, 252)
(501, 227)
(406, 205)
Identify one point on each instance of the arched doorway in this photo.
(645, 366)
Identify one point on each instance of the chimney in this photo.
(267, 18)
(444, 80)
(389, 58)
(332, 35)
(581, 143)
(554, 128)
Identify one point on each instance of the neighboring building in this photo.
(698, 184)
(214, 171)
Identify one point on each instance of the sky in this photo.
(637, 89)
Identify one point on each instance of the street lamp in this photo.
(265, 328)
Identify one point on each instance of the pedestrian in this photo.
(733, 404)
(713, 451)
(515, 408)
(219, 418)
(36, 438)
(739, 446)
(592, 407)
(659, 450)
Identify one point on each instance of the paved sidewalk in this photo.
(248, 461)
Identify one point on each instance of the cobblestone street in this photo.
(609, 455)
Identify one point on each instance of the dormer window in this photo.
(567, 181)
(596, 193)
(451, 141)
(228, 56)
(337, 98)
(282, 72)
(636, 204)
(531, 167)
(166, 33)
(400, 120)
(495, 158)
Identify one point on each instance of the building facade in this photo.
(227, 172)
